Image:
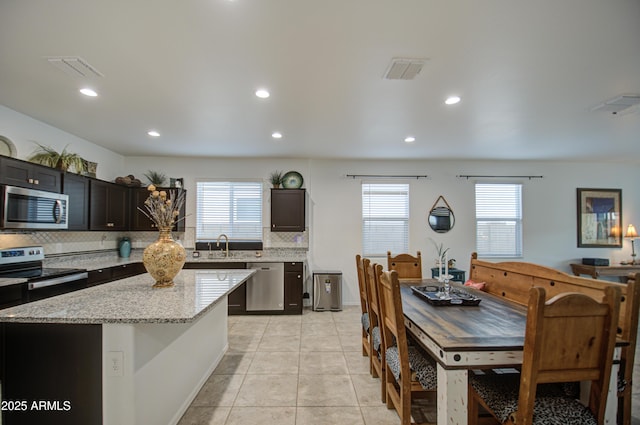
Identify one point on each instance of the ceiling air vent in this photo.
(74, 66)
(618, 104)
(404, 68)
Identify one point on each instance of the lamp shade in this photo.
(631, 232)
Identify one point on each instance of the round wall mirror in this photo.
(441, 218)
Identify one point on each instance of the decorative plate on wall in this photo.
(7, 148)
(292, 180)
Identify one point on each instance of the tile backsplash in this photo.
(69, 242)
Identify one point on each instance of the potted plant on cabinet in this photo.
(275, 178)
(63, 161)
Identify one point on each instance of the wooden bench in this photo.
(512, 280)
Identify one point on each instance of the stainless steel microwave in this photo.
(33, 209)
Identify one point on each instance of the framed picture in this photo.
(599, 218)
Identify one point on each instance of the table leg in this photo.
(453, 394)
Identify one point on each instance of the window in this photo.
(232, 208)
(385, 218)
(499, 220)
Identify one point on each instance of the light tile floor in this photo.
(302, 370)
(289, 370)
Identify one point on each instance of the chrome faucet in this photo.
(226, 238)
(210, 253)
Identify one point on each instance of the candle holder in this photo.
(444, 291)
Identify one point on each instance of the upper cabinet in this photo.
(108, 206)
(14, 172)
(139, 221)
(77, 187)
(288, 210)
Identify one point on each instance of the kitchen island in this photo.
(153, 348)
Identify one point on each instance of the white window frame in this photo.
(378, 212)
(499, 220)
(233, 228)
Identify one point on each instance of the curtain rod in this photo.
(464, 176)
(387, 176)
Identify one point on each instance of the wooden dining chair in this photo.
(570, 338)
(627, 358)
(364, 304)
(407, 266)
(409, 372)
(375, 320)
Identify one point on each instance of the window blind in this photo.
(385, 218)
(499, 220)
(232, 208)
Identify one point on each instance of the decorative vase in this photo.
(164, 258)
(125, 247)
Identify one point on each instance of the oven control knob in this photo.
(31, 252)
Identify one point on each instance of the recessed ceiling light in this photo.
(262, 93)
(88, 92)
(276, 135)
(153, 133)
(452, 100)
(409, 139)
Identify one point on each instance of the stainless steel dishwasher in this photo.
(265, 289)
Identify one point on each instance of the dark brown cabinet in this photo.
(127, 270)
(293, 287)
(109, 206)
(288, 210)
(77, 187)
(237, 300)
(14, 172)
(99, 276)
(139, 221)
(109, 274)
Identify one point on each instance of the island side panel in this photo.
(51, 374)
(164, 365)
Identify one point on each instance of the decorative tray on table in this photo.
(436, 295)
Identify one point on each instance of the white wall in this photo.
(25, 132)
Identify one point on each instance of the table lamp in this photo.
(632, 234)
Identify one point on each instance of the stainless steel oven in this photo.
(33, 209)
(41, 282)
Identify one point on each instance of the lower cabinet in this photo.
(109, 274)
(99, 276)
(237, 300)
(293, 287)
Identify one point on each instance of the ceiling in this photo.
(528, 72)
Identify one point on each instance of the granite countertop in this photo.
(98, 260)
(133, 300)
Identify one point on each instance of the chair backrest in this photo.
(407, 266)
(569, 338)
(393, 317)
(373, 276)
(364, 299)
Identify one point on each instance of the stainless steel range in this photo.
(27, 262)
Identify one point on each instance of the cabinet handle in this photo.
(30, 181)
(100, 271)
(273, 225)
(36, 182)
(299, 276)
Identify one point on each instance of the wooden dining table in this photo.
(464, 338)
